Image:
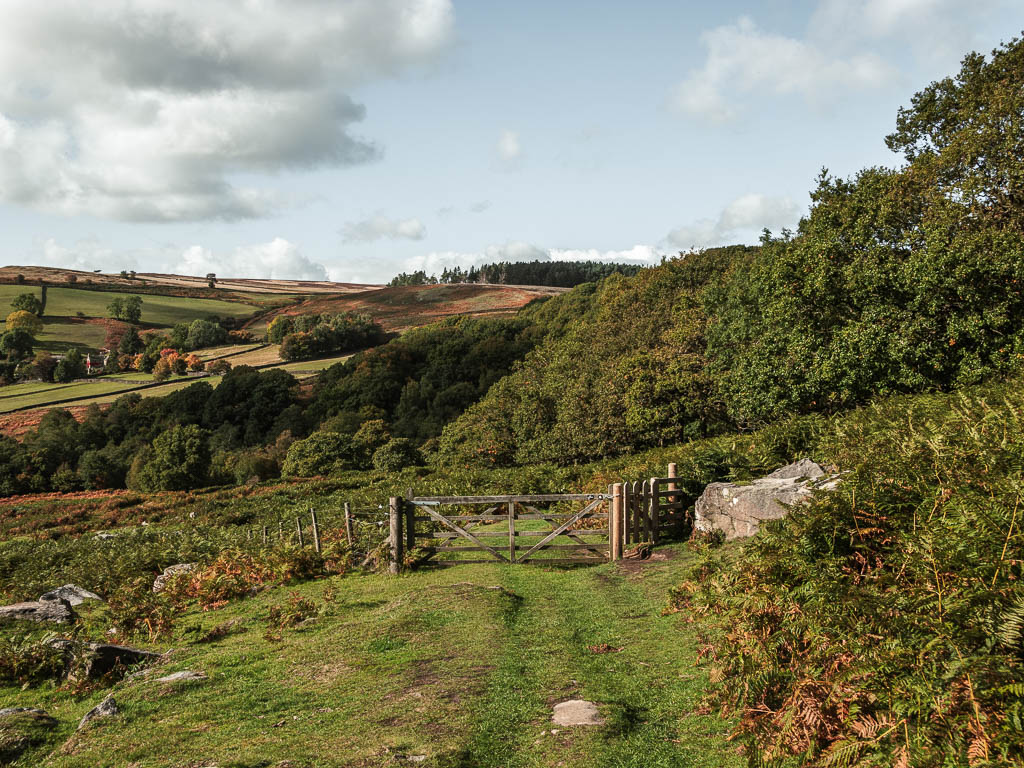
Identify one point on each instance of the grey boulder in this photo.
(106, 708)
(91, 661)
(739, 509)
(160, 583)
(52, 611)
(72, 593)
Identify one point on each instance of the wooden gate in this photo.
(546, 529)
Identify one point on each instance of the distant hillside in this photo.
(411, 306)
(187, 285)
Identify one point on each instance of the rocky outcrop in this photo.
(91, 661)
(739, 509)
(41, 611)
(72, 593)
(160, 583)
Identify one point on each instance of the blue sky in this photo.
(355, 139)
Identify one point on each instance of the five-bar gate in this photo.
(548, 529)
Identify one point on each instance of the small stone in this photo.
(576, 712)
(74, 595)
(106, 708)
(184, 676)
(417, 758)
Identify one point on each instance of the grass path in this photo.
(456, 668)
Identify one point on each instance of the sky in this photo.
(354, 139)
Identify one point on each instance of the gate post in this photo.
(655, 510)
(395, 520)
(615, 523)
(410, 526)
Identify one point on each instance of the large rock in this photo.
(52, 611)
(739, 509)
(72, 593)
(91, 661)
(160, 583)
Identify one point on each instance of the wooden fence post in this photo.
(264, 535)
(655, 509)
(298, 528)
(348, 523)
(615, 526)
(511, 531)
(395, 519)
(410, 527)
(248, 534)
(280, 530)
(316, 529)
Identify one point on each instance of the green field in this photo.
(156, 310)
(65, 326)
(106, 389)
(459, 667)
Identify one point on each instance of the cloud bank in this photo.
(278, 259)
(517, 250)
(155, 110)
(380, 227)
(743, 59)
(742, 218)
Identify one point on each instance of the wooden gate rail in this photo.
(637, 513)
(459, 532)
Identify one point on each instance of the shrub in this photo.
(135, 609)
(396, 455)
(26, 660)
(218, 367)
(179, 460)
(322, 453)
(162, 370)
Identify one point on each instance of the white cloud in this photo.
(516, 250)
(938, 32)
(741, 220)
(509, 150)
(380, 226)
(278, 259)
(640, 254)
(153, 109)
(743, 59)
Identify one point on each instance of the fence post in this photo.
(298, 528)
(348, 523)
(280, 530)
(677, 514)
(410, 527)
(316, 529)
(511, 531)
(655, 510)
(395, 519)
(248, 534)
(264, 535)
(615, 524)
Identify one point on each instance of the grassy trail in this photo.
(455, 668)
(645, 690)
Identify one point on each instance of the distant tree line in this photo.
(558, 274)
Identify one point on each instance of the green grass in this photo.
(461, 665)
(156, 310)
